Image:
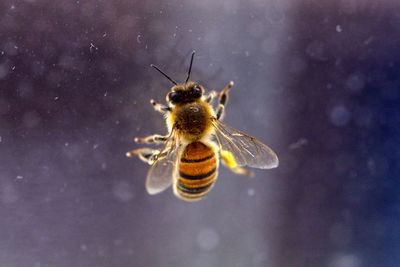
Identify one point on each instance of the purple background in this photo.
(317, 82)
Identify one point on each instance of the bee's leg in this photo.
(223, 99)
(147, 155)
(210, 96)
(152, 139)
(229, 161)
(160, 107)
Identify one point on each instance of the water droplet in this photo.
(340, 116)
(251, 192)
(345, 260)
(207, 239)
(83, 247)
(355, 82)
(123, 191)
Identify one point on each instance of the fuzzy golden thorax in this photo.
(191, 115)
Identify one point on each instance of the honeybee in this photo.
(196, 142)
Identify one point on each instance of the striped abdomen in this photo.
(197, 172)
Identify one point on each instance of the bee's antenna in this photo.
(190, 67)
(151, 65)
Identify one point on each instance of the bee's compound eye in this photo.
(196, 91)
(173, 97)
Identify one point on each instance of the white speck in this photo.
(66, 144)
(95, 146)
(123, 191)
(138, 38)
(19, 177)
(339, 28)
(13, 68)
(104, 34)
(92, 47)
(207, 239)
(340, 116)
(12, 7)
(251, 192)
(106, 93)
(56, 98)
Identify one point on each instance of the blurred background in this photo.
(317, 81)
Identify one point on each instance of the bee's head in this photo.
(183, 93)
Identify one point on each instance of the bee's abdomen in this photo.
(197, 172)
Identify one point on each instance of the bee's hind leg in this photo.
(152, 139)
(223, 99)
(147, 155)
(229, 161)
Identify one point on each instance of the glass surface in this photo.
(317, 81)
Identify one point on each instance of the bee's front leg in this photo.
(152, 139)
(147, 155)
(160, 107)
(222, 100)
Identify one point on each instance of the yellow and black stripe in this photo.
(197, 172)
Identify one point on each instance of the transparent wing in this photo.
(245, 149)
(160, 175)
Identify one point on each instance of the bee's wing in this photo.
(160, 175)
(245, 149)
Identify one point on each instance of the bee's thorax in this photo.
(193, 120)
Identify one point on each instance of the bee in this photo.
(197, 141)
